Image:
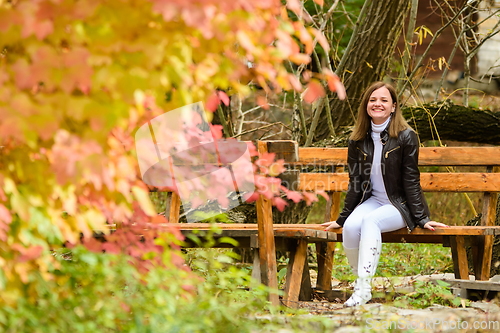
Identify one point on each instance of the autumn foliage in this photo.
(78, 77)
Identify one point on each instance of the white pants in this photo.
(370, 220)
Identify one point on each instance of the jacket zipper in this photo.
(402, 215)
(362, 152)
(362, 197)
(390, 151)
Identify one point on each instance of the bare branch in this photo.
(262, 127)
(436, 35)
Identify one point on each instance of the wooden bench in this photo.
(486, 181)
(311, 169)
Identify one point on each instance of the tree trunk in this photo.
(454, 122)
(374, 45)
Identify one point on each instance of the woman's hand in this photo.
(330, 225)
(431, 224)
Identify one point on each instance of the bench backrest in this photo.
(486, 181)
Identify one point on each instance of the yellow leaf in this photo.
(369, 64)
(427, 30)
(300, 58)
(142, 197)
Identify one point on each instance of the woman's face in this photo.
(380, 105)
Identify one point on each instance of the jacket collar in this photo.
(384, 135)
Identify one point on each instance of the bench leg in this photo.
(305, 286)
(267, 249)
(294, 273)
(459, 256)
(481, 256)
(325, 252)
(483, 247)
(256, 272)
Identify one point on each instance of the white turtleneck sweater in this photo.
(378, 187)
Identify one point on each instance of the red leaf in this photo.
(300, 58)
(31, 253)
(212, 103)
(266, 159)
(334, 84)
(92, 244)
(216, 131)
(251, 197)
(125, 307)
(314, 91)
(223, 97)
(321, 39)
(309, 197)
(43, 29)
(323, 194)
(294, 81)
(294, 6)
(5, 215)
(279, 203)
(262, 102)
(111, 248)
(277, 168)
(294, 196)
(251, 149)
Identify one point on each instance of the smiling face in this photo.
(380, 105)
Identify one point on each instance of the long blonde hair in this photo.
(397, 124)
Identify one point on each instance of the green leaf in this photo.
(229, 240)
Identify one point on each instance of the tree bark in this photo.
(454, 122)
(367, 62)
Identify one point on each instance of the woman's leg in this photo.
(351, 232)
(383, 219)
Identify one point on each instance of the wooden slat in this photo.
(437, 156)
(431, 182)
(455, 156)
(475, 285)
(243, 226)
(322, 156)
(450, 231)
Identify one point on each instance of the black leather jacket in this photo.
(400, 172)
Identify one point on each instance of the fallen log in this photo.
(454, 122)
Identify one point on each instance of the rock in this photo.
(486, 307)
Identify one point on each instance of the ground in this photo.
(380, 315)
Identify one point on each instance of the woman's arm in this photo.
(411, 179)
(354, 192)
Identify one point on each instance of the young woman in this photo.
(384, 191)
